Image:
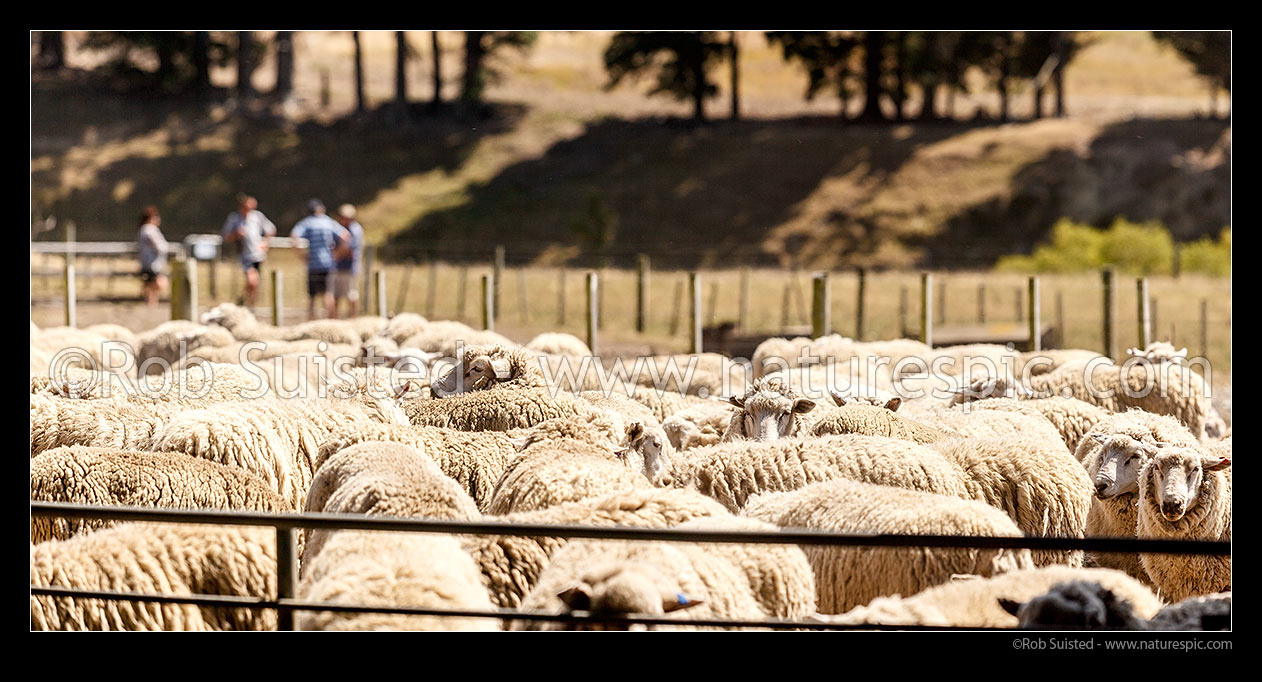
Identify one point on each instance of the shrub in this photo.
(1208, 256)
(1133, 248)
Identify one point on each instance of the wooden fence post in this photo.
(926, 309)
(981, 303)
(677, 307)
(431, 289)
(593, 310)
(72, 313)
(278, 297)
(1141, 306)
(641, 292)
(821, 304)
(382, 310)
(497, 274)
(859, 311)
(694, 317)
(488, 302)
(561, 296)
(743, 312)
(1106, 280)
(1036, 318)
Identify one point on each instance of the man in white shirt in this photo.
(254, 231)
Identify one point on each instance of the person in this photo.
(151, 247)
(322, 235)
(254, 231)
(349, 256)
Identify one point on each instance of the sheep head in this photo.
(990, 387)
(1119, 462)
(769, 410)
(625, 588)
(1174, 479)
(475, 372)
(842, 399)
(1159, 352)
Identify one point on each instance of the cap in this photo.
(315, 206)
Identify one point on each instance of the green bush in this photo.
(1133, 248)
(1208, 256)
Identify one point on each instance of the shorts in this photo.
(344, 285)
(317, 282)
(251, 265)
(147, 275)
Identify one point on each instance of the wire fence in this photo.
(285, 524)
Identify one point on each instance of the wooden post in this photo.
(71, 307)
(784, 307)
(902, 310)
(600, 300)
(926, 309)
(213, 264)
(179, 288)
(431, 289)
(462, 276)
(190, 299)
(381, 293)
(694, 317)
(370, 259)
(593, 310)
(677, 307)
(278, 297)
(981, 303)
(713, 304)
(641, 292)
(488, 302)
(858, 310)
(1036, 319)
(286, 575)
(1152, 315)
(498, 274)
(1204, 327)
(521, 296)
(1106, 280)
(1060, 319)
(1141, 309)
(742, 315)
(821, 304)
(561, 297)
(942, 300)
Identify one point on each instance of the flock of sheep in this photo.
(1055, 444)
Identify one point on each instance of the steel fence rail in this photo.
(230, 601)
(794, 536)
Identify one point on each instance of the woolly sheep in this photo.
(703, 374)
(114, 332)
(1039, 362)
(104, 476)
(496, 410)
(482, 368)
(855, 418)
(732, 472)
(777, 353)
(769, 410)
(383, 479)
(1003, 386)
(1211, 612)
(965, 422)
(552, 343)
(1035, 482)
(171, 341)
(697, 426)
(561, 471)
(113, 423)
(393, 569)
(403, 326)
(846, 577)
(666, 403)
(1075, 605)
(511, 565)
(1160, 351)
(1113, 455)
(1072, 418)
(977, 602)
(1185, 494)
(158, 558)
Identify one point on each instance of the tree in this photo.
(1043, 56)
(284, 64)
(184, 58)
(478, 46)
(400, 70)
(734, 56)
(201, 63)
(52, 51)
(245, 64)
(359, 72)
(688, 55)
(873, 46)
(438, 68)
(826, 56)
(1209, 52)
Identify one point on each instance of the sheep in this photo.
(242, 324)
(1072, 418)
(732, 472)
(1002, 386)
(566, 345)
(114, 423)
(448, 337)
(106, 476)
(777, 353)
(1210, 612)
(496, 410)
(769, 410)
(114, 332)
(1037, 362)
(1160, 389)
(561, 470)
(846, 577)
(76, 382)
(1113, 455)
(403, 326)
(383, 479)
(1185, 494)
(170, 342)
(489, 367)
(645, 435)
(855, 418)
(1035, 482)
(156, 558)
(978, 602)
(965, 422)
(511, 565)
(865, 396)
(1075, 605)
(697, 426)
(703, 374)
(329, 331)
(1160, 351)
(393, 569)
(666, 403)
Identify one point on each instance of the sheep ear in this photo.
(635, 430)
(1135, 351)
(577, 598)
(446, 385)
(1010, 606)
(1220, 465)
(1098, 437)
(679, 602)
(841, 402)
(893, 404)
(803, 405)
(502, 369)
(738, 401)
(519, 443)
(402, 389)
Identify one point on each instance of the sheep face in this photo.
(1159, 352)
(1076, 605)
(623, 589)
(1121, 458)
(1175, 476)
(769, 411)
(475, 374)
(990, 387)
(654, 448)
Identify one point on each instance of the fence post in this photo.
(1060, 319)
(370, 259)
(694, 317)
(743, 313)
(858, 310)
(593, 310)
(488, 302)
(1106, 277)
(926, 309)
(381, 293)
(498, 271)
(179, 284)
(286, 575)
(942, 300)
(1204, 327)
(1152, 316)
(1141, 305)
(821, 303)
(981, 303)
(902, 310)
(784, 308)
(213, 264)
(71, 311)
(641, 292)
(278, 297)
(600, 299)
(561, 296)
(1036, 319)
(190, 298)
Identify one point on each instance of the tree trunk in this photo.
(438, 68)
(166, 60)
(400, 70)
(696, 64)
(471, 88)
(1058, 74)
(929, 108)
(900, 87)
(734, 52)
(843, 92)
(359, 73)
(52, 50)
(201, 63)
(1038, 101)
(873, 45)
(245, 64)
(1002, 84)
(284, 64)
